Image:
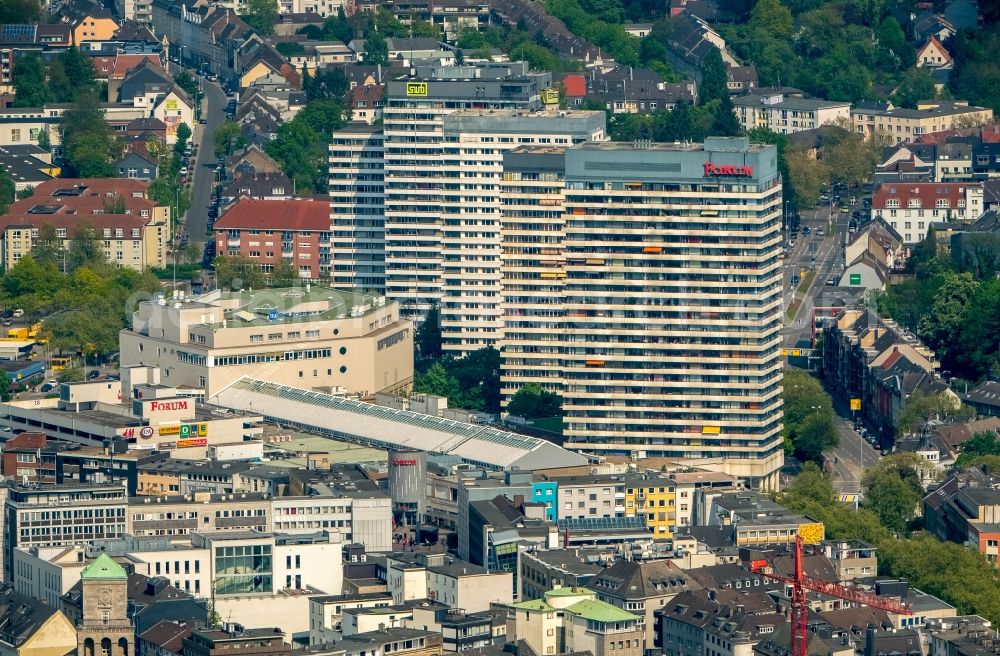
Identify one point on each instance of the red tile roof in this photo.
(933, 41)
(891, 360)
(69, 221)
(303, 215)
(96, 192)
(371, 94)
(103, 65)
(576, 86)
(927, 192)
(125, 63)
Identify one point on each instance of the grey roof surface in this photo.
(392, 429)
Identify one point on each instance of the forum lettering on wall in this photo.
(737, 171)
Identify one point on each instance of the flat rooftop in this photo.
(657, 146)
(270, 307)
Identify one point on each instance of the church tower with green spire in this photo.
(105, 628)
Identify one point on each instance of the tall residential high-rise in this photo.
(669, 288)
(415, 191)
(357, 217)
(470, 171)
(532, 267)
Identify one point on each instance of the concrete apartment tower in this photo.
(669, 298)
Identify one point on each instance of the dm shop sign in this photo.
(728, 170)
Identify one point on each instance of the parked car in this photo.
(93, 373)
(820, 232)
(18, 313)
(806, 230)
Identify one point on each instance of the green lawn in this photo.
(552, 424)
(800, 293)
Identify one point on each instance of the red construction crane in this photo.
(800, 607)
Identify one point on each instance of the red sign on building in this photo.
(729, 170)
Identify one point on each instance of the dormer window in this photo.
(892, 202)
(914, 202)
(943, 203)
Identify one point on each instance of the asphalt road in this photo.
(813, 253)
(851, 458)
(203, 172)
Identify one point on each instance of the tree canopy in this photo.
(471, 382)
(808, 422)
(921, 408)
(893, 490)
(428, 335)
(970, 582)
(980, 446)
(532, 402)
(85, 308)
(301, 144)
(7, 190)
(90, 145)
(261, 15)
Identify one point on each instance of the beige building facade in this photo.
(909, 124)
(663, 308)
(310, 338)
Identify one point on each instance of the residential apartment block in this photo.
(471, 170)
(872, 359)
(532, 236)
(413, 119)
(269, 232)
(307, 338)
(786, 115)
(966, 509)
(909, 124)
(911, 207)
(651, 498)
(130, 227)
(642, 365)
(357, 207)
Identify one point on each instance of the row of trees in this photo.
(969, 582)
(70, 74)
(953, 312)
(240, 272)
(808, 428)
(85, 300)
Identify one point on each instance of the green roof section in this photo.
(569, 592)
(599, 611)
(103, 568)
(535, 605)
